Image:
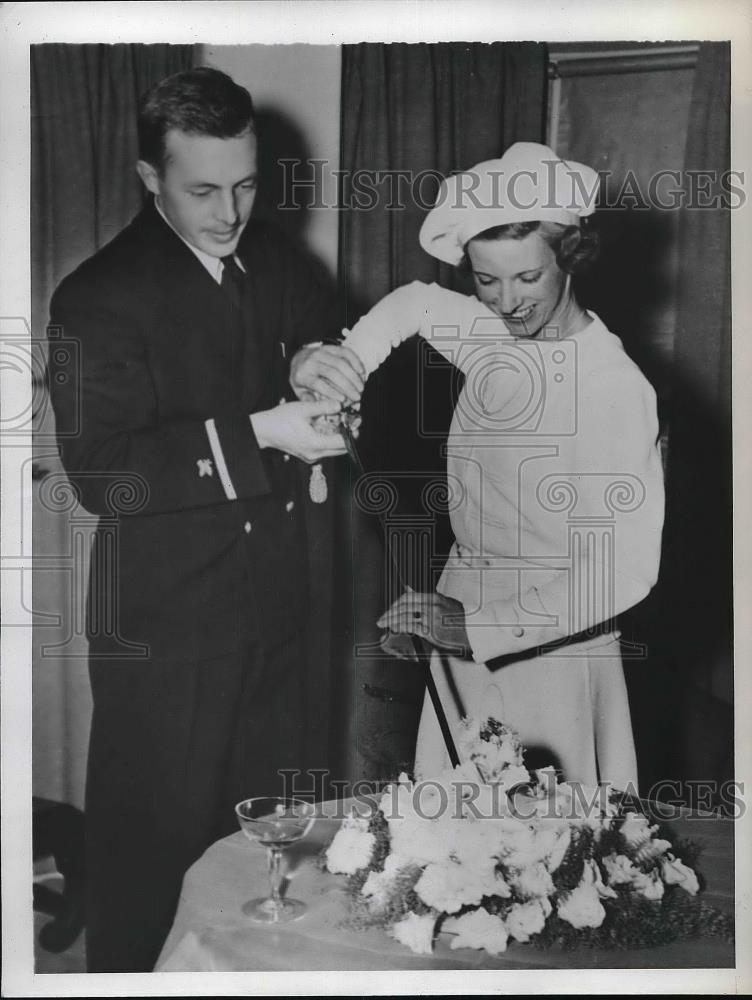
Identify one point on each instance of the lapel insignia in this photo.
(205, 467)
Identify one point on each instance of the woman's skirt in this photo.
(569, 706)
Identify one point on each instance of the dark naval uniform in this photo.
(202, 661)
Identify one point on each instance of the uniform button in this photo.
(518, 632)
(289, 505)
(247, 527)
(285, 457)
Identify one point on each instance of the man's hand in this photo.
(288, 428)
(328, 371)
(438, 619)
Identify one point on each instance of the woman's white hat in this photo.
(530, 183)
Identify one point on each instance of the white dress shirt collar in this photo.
(212, 264)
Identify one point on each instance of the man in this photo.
(187, 322)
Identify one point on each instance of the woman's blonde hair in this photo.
(575, 247)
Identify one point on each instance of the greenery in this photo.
(631, 920)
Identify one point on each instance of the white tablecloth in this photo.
(211, 933)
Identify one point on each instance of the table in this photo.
(210, 932)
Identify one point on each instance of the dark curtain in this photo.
(411, 114)
(423, 111)
(697, 585)
(84, 149)
(84, 188)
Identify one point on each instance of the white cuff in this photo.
(219, 459)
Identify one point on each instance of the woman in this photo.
(554, 472)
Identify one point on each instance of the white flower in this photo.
(676, 873)
(469, 734)
(498, 757)
(619, 869)
(513, 775)
(651, 850)
(499, 765)
(518, 846)
(478, 929)
(636, 830)
(416, 932)
(351, 848)
(649, 886)
(414, 836)
(378, 884)
(421, 840)
(598, 824)
(591, 875)
(495, 885)
(584, 805)
(477, 843)
(396, 799)
(506, 743)
(552, 839)
(434, 797)
(560, 848)
(466, 773)
(582, 907)
(533, 881)
(377, 887)
(449, 887)
(526, 919)
(484, 802)
(546, 779)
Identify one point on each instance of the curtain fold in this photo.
(411, 114)
(84, 189)
(698, 548)
(416, 113)
(84, 149)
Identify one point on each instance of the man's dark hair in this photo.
(201, 101)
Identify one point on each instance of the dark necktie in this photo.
(231, 282)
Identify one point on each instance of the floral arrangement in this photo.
(488, 853)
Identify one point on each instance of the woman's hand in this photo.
(437, 619)
(327, 371)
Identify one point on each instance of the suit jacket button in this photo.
(289, 505)
(247, 527)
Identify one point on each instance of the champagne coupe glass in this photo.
(274, 823)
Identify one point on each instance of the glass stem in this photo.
(275, 877)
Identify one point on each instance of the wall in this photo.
(296, 90)
(632, 126)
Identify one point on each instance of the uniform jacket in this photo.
(210, 531)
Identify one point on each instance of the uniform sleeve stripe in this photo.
(219, 459)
